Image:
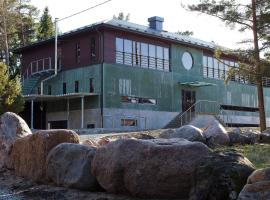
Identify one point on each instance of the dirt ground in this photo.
(16, 188)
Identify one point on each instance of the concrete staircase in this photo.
(200, 114)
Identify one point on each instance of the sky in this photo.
(176, 18)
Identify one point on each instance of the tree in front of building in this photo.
(46, 26)
(254, 16)
(10, 92)
(122, 16)
(17, 19)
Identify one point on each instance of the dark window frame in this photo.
(91, 85)
(76, 87)
(78, 53)
(64, 88)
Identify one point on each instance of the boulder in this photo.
(69, 165)
(253, 135)
(216, 134)
(237, 137)
(159, 168)
(96, 142)
(188, 132)
(265, 136)
(28, 155)
(258, 186)
(220, 176)
(12, 127)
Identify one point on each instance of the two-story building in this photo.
(117, 74)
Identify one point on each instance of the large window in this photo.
(143, 55)
(78, 53)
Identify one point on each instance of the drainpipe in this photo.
(55, 58)
(102, 77)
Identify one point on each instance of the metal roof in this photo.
(38, 97)
(121, 24)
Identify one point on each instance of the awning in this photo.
(196, 84)
(38, 97)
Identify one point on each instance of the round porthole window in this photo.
(187, 60)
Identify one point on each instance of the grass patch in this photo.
(258, 154)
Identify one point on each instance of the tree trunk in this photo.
(258, 69)
(6, 46)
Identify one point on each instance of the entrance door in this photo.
(188, 99)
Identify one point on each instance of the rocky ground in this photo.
(16, 188)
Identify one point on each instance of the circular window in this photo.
(187, 60)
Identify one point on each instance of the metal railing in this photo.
(142, 61)
(199, 107)
(37, 67)
(221, 74)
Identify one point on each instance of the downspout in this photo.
(102, 78)
(55, 59)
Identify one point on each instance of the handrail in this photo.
(189, 110)
(37, 66)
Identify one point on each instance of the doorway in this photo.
(188, 99)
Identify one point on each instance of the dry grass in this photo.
(258, 154)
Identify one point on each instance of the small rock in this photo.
(216, 134)
(28, 155)
(237, 137)
(69, 165)
(265, 136)
(257, 187)
(187, 132)
(12, 127)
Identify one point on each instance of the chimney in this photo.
(156, 23)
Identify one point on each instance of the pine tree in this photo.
(121, 16)
(10, 92)
(46, 26)
(252, 15)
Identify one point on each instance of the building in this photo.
(117, 74)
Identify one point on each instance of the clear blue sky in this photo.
(176, 18)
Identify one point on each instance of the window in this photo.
(93, 49)
(144, 53)
(138, 100)
(78, 53)
(125, 86)
(64, 88)
(90, 125)
(128, 52)
(76, 86)
(91, 85)
(152, 56)
(187, 60)
(49, 90)
(140, 54)
(39, 90)
(128, 122)
(136, 60)
(119, 43)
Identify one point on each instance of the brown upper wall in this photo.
(68, 51)
(109, 39)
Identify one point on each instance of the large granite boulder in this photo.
(216, 134)
(69, 165)
(237, 137)
(220, 176)
(188, 132)
(28, 155)
(258, 186)
(159, 168)
(265, 136)
(12, 127)
(96, 142)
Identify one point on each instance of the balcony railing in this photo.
(222, 75)
(142, 61)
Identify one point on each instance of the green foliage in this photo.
(18, 28)
(121, 16)
(10, 92)
(46, 27)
